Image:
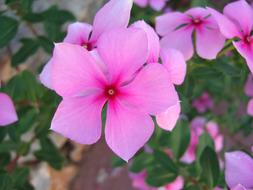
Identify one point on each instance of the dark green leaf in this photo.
(28, 48)
(117, 162)
(180, 138)
(205, 140)
(210, 167)
(161, 170)
(20, 176)
(8, 146)
(46, 44)
(5, 182)
(140, 162)
(8, 29)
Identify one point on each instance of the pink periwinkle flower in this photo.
(236, 23)
(8, 114)
(198, 126)
(114, 14)
(132, 91)
(239, 170)
(157, 5)
(248, 88)
(203, 103)
(176, 29)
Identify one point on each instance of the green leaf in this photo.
(8, 146)
(28, 48)
(210, 167)
(5, 182)
(8, 29)
(20, 176)
(140, 162)
(205, 140)
(46, 44)
(50, 153)
(26, 5)
(161, 170)
(180, 138)
(199, 3)
(117, 162)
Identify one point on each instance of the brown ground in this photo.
(96, 172)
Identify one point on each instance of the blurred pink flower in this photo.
(198, 126)
(203, 103)
(236, 22)
(248, 88)
(239, 170)
(178, 184)
(176, 29)
(85, 35)
(8, 114)
(132, 95)
(154, 4)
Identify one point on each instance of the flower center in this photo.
(110, 92)
(87, 45)
(196, 21)
(247, 39)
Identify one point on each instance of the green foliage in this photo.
(8, 29)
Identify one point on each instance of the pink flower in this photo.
(8, 114)
(239, 170)
(248, 88)
(155, 4)
(132, 94)
(198, 126)
(178, 184)
(138, 181)
(85, 35)
(237, 23)
(203, 103)
(176, 29)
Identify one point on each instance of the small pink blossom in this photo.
(239, 170)
(85, 35)
(155, 4)
(177, 184)
(8, 114)
(248, 88)
(132, 94)
(203, 103)
(236, 22)
(176, 29)
(198, 126)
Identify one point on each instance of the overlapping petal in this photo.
(241, 13)
(250, 107)
(74, 71)
(174, 61)
(157, 4)
(180, 40)
(125, 54)
(238, 169)
(8, 114)
(114, 14)
(78, 33)
(141, 3)
(46, 75)
(153, 41)
(142, 93)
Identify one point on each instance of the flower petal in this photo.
(241, 13)
(157, 4)
(74, 71)
(78, 33)
(168, 119)
(114, 14)
(197, 12)
(169, 22)
(8, 114)
(141, 3)
(227, 27)
(126, 130)
(180, 40)
(177, 184)
(246, 51)
(209, 42)
(153, 40)
(239, 169)
(151, 91)
(239, 187)
(174, 61)
(250, 107)
(248, 88)
(124, 51)
(79, 119)
(46, 75)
